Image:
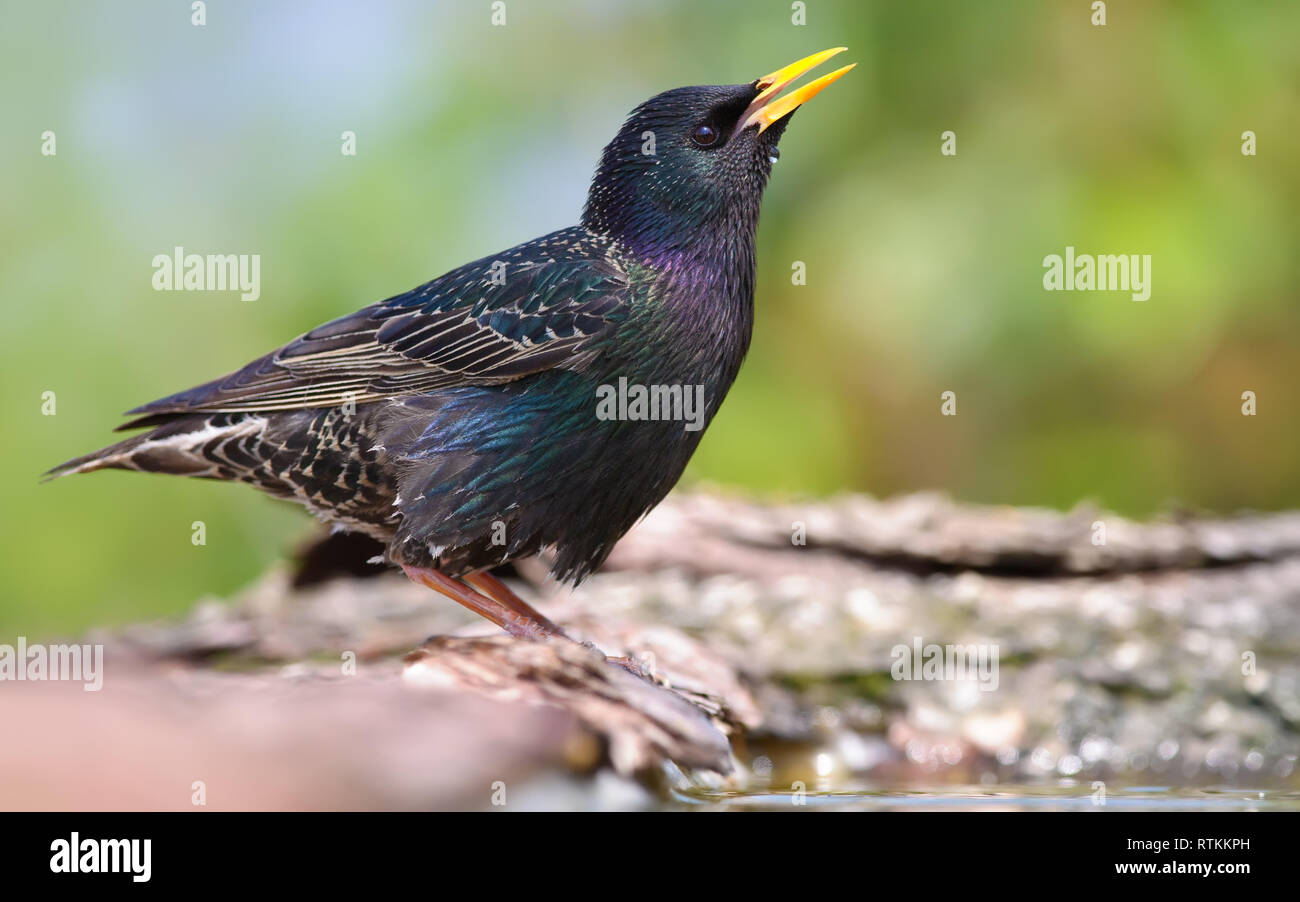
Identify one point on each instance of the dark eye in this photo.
(705, 135)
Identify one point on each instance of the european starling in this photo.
(543, 398)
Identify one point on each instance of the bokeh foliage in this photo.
(924, 271)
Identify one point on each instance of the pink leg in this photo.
(498, 591)
(517, 624)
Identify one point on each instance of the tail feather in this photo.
(114, 456)
(325, 459)
(176, 447)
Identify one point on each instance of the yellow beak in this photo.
(767, 107)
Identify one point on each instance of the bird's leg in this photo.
(519, 625)
(498, 591)
(489, 585)
(495, 601)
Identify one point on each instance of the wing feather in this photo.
(477, 325)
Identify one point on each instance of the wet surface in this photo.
(1010, 797)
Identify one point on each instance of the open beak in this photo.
(767, 108)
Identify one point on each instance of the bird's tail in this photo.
(182, 446)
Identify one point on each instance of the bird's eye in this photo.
(705, 135)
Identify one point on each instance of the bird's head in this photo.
(689, 166)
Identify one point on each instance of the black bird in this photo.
(472, 420)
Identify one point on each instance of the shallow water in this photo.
(1066, 796)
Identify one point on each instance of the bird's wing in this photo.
(493, 321)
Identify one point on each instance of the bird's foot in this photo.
(630, 664)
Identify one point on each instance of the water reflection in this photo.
(1003, 797)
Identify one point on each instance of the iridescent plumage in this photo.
(457, 422)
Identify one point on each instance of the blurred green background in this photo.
(923, 271)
